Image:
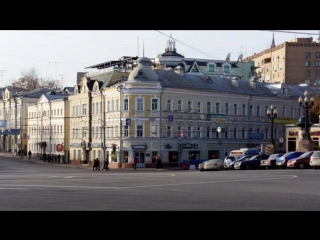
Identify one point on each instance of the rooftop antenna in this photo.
(138, 45)
(142, 49)
(61, 75)
(2, 77)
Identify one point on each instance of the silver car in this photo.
(211, 164)
(315, 160)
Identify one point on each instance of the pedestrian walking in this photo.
(59, 157)
(96, 165)
(106, 165)
(134, 163)
(29, 154)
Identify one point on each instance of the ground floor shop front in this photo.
(146, 151)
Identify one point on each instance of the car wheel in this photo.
(248, 167)
(301, 165)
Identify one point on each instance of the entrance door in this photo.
(140, 159)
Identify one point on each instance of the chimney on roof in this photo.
(179, 70)
(235, 81)
(253, 82)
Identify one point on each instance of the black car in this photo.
(251, 163)
(246, 157)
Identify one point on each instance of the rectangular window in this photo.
(258, 111)
(139, 104)
(189, 106)
(117, 104)
(307, 55)
(250, 110)
(208, 107)
(284, 111)
(307, 81)
(307, 72)
(235, 106)
(112, 105)
(97, 108)
(139, 131)
(154, 104)
(317, 73)
(84, 109)
(92, 106)
(317, 81)
(217, 107)
(168, 131)
(126, 104)
(227, 108)
(108, 106)
(179, 105)
(189, 132)
(169, 105)
(317, 64)
(199, 107)
(243, 109)
(317, 54)
(198, 132)
(154, 131)
(126, 131)
(208, 132)
(292, 112)
(307, 64)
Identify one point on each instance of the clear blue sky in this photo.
(61, 54)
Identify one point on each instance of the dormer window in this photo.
(211, 68)
(226, 69)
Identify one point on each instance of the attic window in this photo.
(140, 73)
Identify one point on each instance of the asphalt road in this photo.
(30, 186)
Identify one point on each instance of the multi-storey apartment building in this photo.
(48, 125)
(294, 62)
(13, 117)
(152, 111)
(88, 106)
(171, 58)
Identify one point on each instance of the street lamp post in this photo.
(272, 114)
(308, 103)
(119, 89)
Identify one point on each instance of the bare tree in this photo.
(30, 80)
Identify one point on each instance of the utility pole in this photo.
(2, 77)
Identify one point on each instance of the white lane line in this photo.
(158, 185)
(13, 188)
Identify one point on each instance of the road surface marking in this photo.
(13, 188)
(158, 185)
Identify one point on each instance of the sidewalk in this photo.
(86, 166)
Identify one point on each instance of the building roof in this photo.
(216, 84)
(171, 54)
(55, 97)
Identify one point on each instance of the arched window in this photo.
(226, 69)
(211, 68)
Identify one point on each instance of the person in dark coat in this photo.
(29, 154)
(59, 157)
(106, 165)
(96, 165)
(134, 163)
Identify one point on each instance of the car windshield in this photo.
(253, 157)
(316, 154)
(305, 154)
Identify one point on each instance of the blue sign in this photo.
(256, 135)
(3, 123)
(128, 122)
(170, 118)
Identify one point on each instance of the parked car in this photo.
(211, 164)
(315, 160)
(231, 165)
(270, 162)
(230, 159)
(282, 160)
(300, 162)
(251, 163)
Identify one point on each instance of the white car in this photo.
(230, 159)
(315, 160)
(211, 164)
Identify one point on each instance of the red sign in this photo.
(59, 147)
